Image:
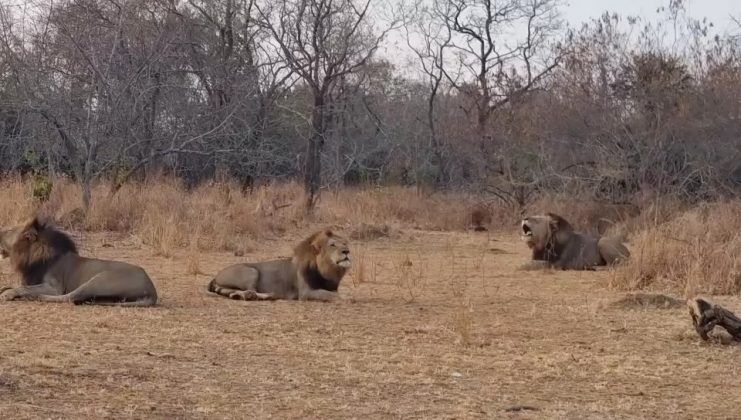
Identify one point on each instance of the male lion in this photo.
(314, 273)
(555, 243)
(52, 271)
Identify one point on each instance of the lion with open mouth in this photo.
(554, 243)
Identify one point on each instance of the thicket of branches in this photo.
(498, 96)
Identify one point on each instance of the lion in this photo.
(313, 273)
(51, 270)
(555, 244)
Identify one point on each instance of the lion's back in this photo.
(277, 276)
(582, 251)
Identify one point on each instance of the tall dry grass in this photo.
(689, 250)
(220, 216)
(695, 251)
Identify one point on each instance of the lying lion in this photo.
(314, 273)
(52, 271)
(555, 244)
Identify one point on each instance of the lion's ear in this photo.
(32, 229)
(328, 233)
(30, 234)
(558, 223)
(316, 246)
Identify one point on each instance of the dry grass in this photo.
(538, 342)
(165, 215)
(409, 277)
(193, 262)
(697, 251)
(685, 250)
(463, 323)
(423, 337)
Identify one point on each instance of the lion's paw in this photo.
(7, 294)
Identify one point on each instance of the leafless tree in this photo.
(428, 39)
(497, 97)
(502, 49)
(75, 69)
(322, 41)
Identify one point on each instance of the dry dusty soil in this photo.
(443, 325)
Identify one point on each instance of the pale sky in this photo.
(576, 12)
(717, 11)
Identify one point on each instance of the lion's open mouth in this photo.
(526, 231)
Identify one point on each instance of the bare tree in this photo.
(107, 79)
(428, 39)
(77, 72)
(322, 41)
(221, 53)
(120, 89)
(502, 50)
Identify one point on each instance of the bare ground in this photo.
(443, 325)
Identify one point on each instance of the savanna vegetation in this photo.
(183, 120)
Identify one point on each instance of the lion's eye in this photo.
(332, 244)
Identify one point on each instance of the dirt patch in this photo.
(648, 300)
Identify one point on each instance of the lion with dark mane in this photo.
(51, 270)
(555, 244)
(313, 273)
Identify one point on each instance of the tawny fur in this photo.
(52, 271)
(314, 272)
(554, 243)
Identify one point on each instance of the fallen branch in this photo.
(706, 315)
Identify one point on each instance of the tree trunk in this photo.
(149, 129)
(437, 152)
(86, 193)
(87, 175)
(313, 171)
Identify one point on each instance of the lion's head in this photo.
(541, 230)
(325, 252)
(33, 246)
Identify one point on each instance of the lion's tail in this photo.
(211, 286)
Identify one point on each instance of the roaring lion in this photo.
(313, 273)
(52, 271)
(555, 243)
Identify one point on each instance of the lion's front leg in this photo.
(37, 292)
(534, 265)
(319, 295)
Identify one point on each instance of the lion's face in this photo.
(535, 231)
(334, 250)
(326, 252)
(538, 230)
